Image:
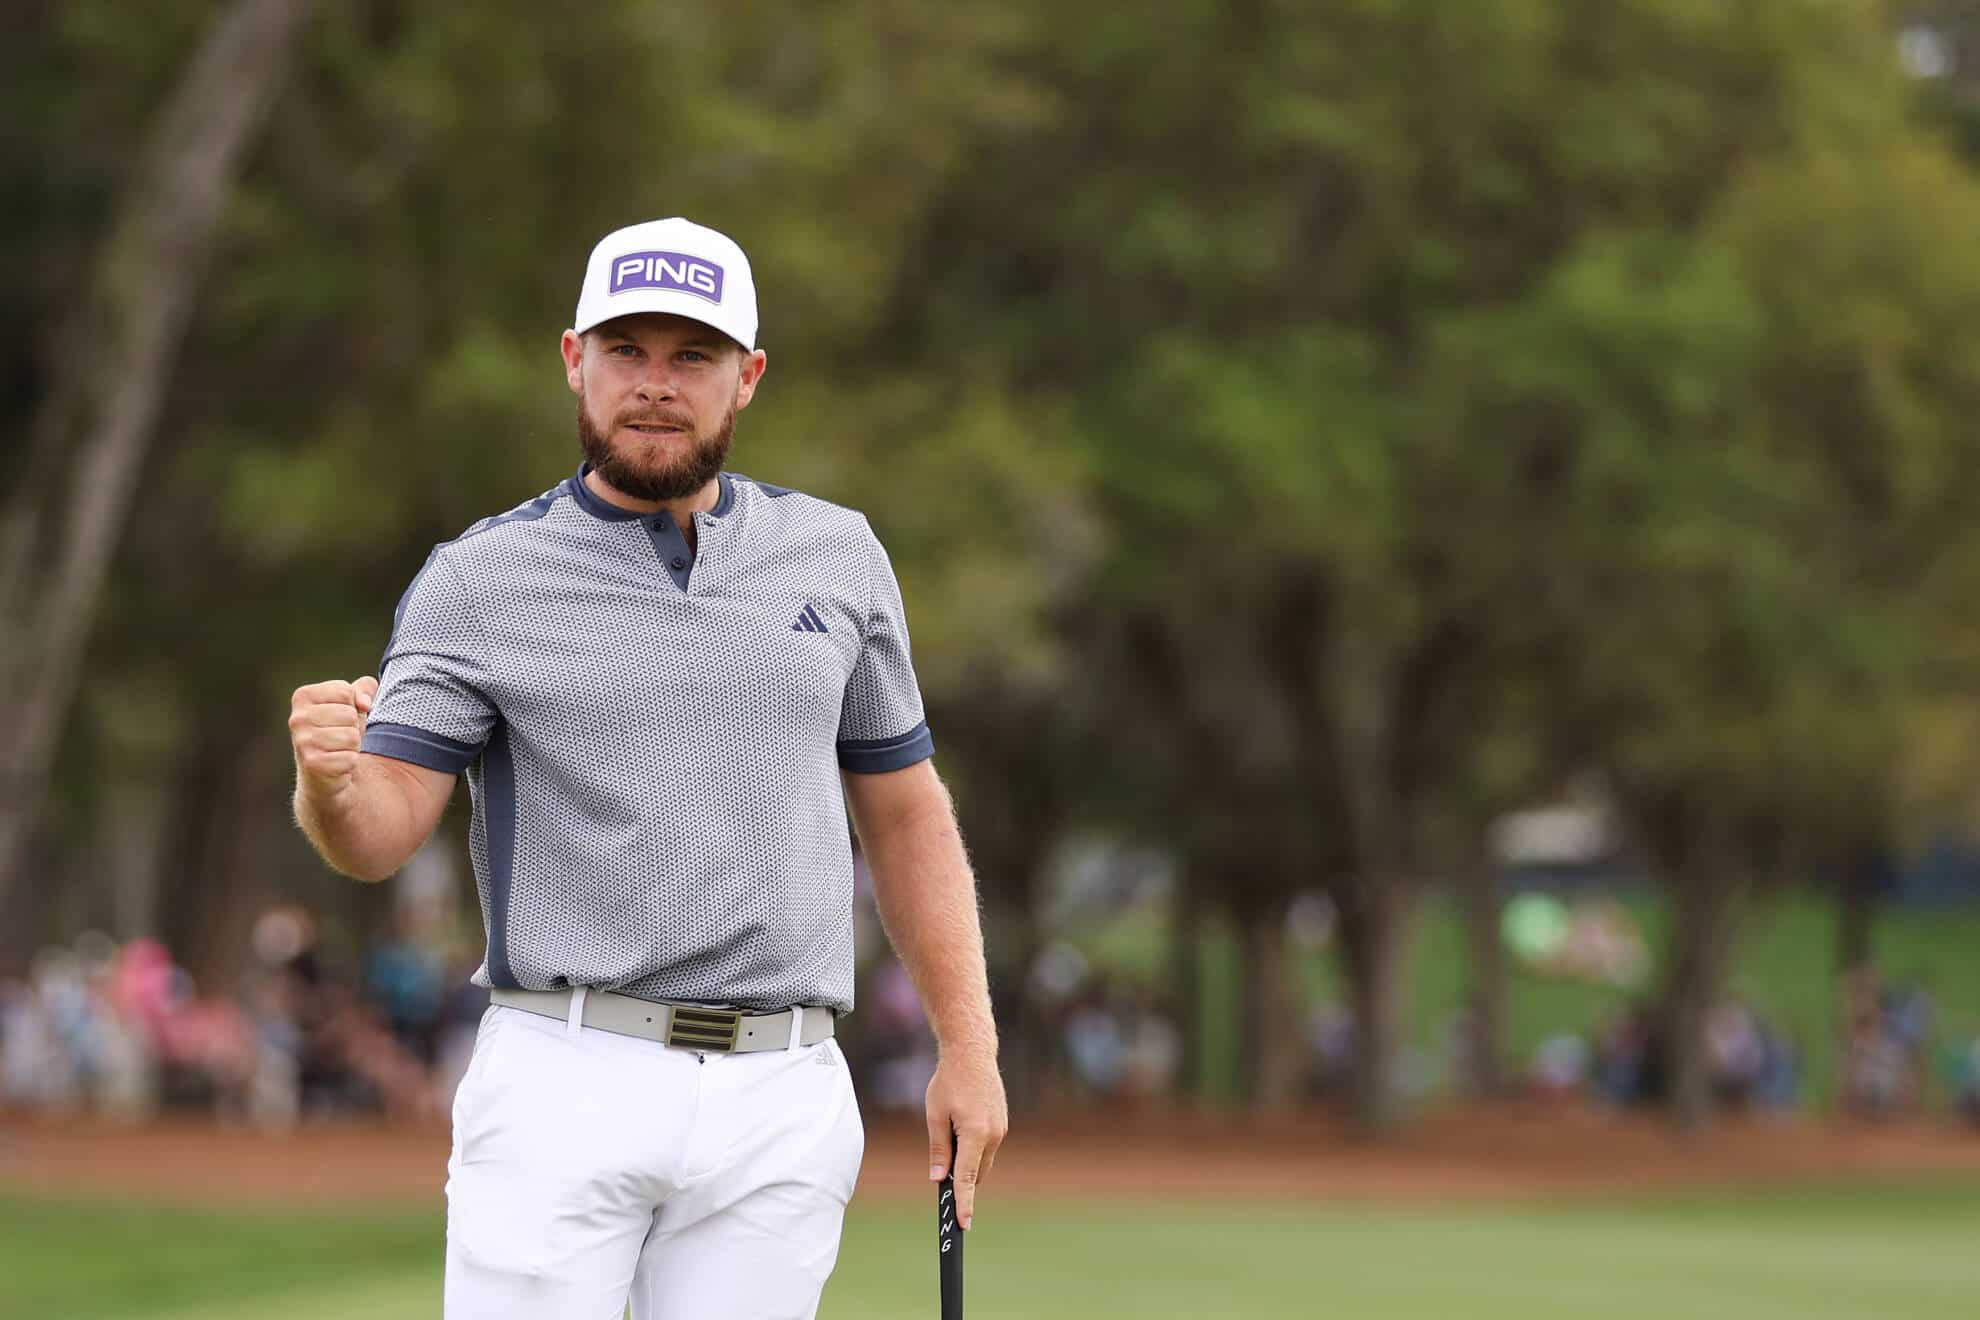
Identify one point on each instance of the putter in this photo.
(949, 1237)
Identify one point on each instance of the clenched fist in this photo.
(326, 724)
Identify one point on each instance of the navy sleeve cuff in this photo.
(402, 742)
(876, 756)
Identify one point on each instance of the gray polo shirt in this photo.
(653, 736)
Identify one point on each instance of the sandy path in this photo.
(1494, 1155)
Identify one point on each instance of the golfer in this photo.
(667, 684)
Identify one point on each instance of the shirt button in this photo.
(679, 563)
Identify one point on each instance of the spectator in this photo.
(1624, 1061)
(1330, 1041)
(1734, 1052)
(1560, 1066)
(1096, 1045)
(405, 978)
(1966, 1087)
(1887, 1045)
(1152, 1049)
(28, 1049)
(1778, 1085)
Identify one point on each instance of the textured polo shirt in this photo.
(653, 736)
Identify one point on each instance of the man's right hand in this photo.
(326, 725)
(365, 814)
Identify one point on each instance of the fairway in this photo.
(1887, 1253)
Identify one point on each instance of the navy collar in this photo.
(597, 508)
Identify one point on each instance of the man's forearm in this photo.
(927, 901)
(368, 830)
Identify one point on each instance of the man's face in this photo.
(657, 401)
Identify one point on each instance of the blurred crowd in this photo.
(1107, 1037)
(1889, 1029)
(1752, 1063)
(1893, 1055)
(124, 1031)
(1102, 1038)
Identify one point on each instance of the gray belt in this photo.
(683, 1026)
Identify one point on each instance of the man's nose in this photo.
(657, 386)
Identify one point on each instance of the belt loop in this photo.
(575, 1021)
(797, 1025)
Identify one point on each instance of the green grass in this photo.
(97, 1261)
(1785, 965)
(1891, 1252)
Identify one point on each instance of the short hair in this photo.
(605, 327)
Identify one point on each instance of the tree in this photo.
(96, 421)
(1270, 344)
(1759, 527)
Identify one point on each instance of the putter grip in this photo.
(949, 1240)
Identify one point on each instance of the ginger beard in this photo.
(648, 467)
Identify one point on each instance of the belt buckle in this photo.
(704, 1028)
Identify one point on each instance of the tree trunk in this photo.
(100, 424)
(1855, 916)
(1029, 1046)
(200, 807)
(1701, 935)
(245, 809)
(1276, 1055)
(1375, 923)
(132, 857)
(1186, 971)
(1485, 1015)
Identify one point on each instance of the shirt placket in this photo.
(676, 556)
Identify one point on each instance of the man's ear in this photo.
(753, 365)
(573, 350)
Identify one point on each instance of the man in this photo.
(666, 685)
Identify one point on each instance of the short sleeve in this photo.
(432, 708)
(881, 726)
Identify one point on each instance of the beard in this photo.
(630, 472)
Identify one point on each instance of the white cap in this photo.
(671, 265)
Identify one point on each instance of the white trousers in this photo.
(591, 1169)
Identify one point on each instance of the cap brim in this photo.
(661, 303)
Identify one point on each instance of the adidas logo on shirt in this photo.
(808, 621)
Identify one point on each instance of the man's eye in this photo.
(693, 355)
(625, 350)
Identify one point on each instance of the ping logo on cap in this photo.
(667, 270)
